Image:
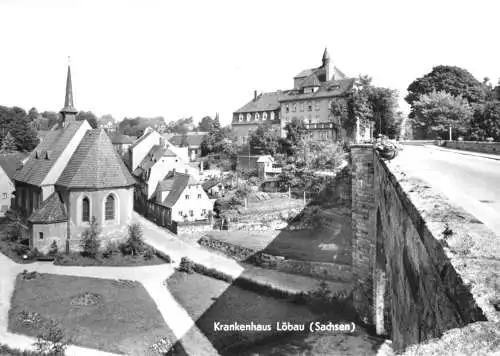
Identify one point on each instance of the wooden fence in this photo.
(159, 214)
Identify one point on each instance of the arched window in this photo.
(272, 115)
(264, 116)
(241, 117)
(257, 116)
(249, 117)
(86, 209)
(109, 208)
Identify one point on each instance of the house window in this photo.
(40, 235)
(187, 196)
(5, 195)
(272, 114)
(301, 107)
(317, 105)
(249, 117)
(241, 117)
(203, 211)
(199, 196)
(294, 107)
(109, 208)
(264, 116)
(180, 212)
(287, 109)
(86, 209)
(309, 106)
(191, 213)
(257, 116)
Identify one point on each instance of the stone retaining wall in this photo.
(475, 146)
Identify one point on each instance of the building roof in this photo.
(119, 139)
(52, 210)
(95, 164)
(264, 102)
(140, 139)
(265, 158)
(151, 158)
(11, 162)
(327, 89)
(44, 156)
(174, 183)
(192, 139)
(211, 183)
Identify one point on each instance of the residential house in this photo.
(120, 142)
(311, 99)
(184, 197)
(215, 188)
(9, 164)
(107, 123)
(191, 140)
(266, 167)
(71, 177)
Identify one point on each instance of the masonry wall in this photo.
(417, 293)
(485, 147)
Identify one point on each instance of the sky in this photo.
(195, 58)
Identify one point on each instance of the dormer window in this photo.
(272, 114)
(287, 108)
(257, 116)
(294, 107)
(241, 117)
(249, 117)
(264, 116)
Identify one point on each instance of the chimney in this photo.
(255, 95)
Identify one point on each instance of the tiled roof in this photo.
(305, 73)
(193, 140)
(36, 169)
(95, 164)
(339, 74)
(211, 183)
(327, 89)
(140, 139)
(52, 210)
(11, 162)
(153, 156)
(174, 183)
(264, 102)
(119, 139)
(311, 80)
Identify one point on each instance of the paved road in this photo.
(469, 180)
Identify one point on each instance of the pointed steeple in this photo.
(326, 55)
(326, 64)
(69, 109)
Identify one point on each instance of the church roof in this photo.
(52, 210)
(95, 164)
(264, 102)
(45, 155)
(175, 183)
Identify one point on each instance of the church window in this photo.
(199, 196)
(180, 212)
(86, 209)
(109, 208)
(191, 213)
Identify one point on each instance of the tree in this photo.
(33, 115)
(89, 116)
(51, 339)
(181, 126)
(453, 80)
(296, 131)
(90, 242)
(184, 140)
(25, 136)
(52, 116)
(486, 121)
(135, 241)
(213, 142)
(263, 140)
(8, 143)
(205, 124)
(437, 111)
(384, 107)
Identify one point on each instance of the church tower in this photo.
(68, 111)
(326, 65)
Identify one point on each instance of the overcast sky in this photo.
(194, 58)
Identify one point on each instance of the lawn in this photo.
(121, 316)
(219, 301)
(114, 260)
(323, 245)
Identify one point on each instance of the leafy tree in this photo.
(437, 111)
(181, 126)
(264, 140)
(453, 80)
(135, 239)
(89, 116)
(213, 142)
(24, 134)
(296, 131)
(8, 143)
(205, 124)
(33, 115)
(384, 106)
(90, 242)
(52, 116)
(486, 121)
(184, 140)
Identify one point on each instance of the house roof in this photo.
(119, 139)
(11, 162)
(154, 154)
(264, 102)
(306, 73)
(52, 210)
(95, 164)
(140, 139)
(174, 183)
(45, 155)
(327, 89)
(211, 183)
(193, 139)
(266, 158)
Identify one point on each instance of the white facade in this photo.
(6, 189)
(193, 204)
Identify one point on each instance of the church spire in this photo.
(69, 108)
(326, 55)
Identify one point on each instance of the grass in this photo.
(219, 301)
(124, 320)
(115, 260)
(8, 248)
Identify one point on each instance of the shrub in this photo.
(135, 239)
(21, 250)
(186, 265)
(163, 256)
(109, 249)
(148, 253)
(90, 240)
(53, 250)
(51, 339)
(125, 248)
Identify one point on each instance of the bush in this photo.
(148, 253)
(90, 240)
(21, 250)
(163, 256)
(135, 239)
(51, 339)
(186, 265)
(125, 248)
(110, 248)
(53, 250)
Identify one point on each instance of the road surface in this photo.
(471, 181)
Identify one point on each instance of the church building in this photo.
(72, 176)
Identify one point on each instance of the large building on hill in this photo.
(73, 176)
(310, 99)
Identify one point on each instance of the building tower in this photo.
(326, 64)
(68, 111)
